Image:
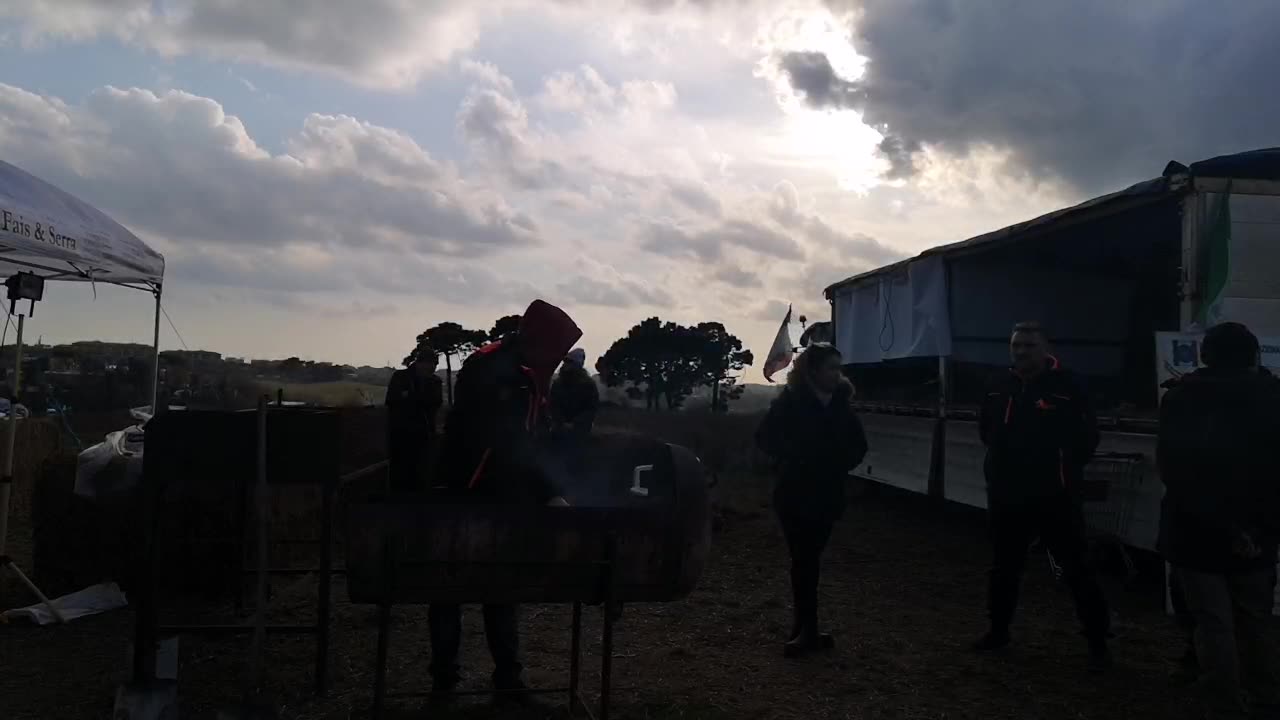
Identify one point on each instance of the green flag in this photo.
(1215, 260)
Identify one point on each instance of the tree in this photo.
(656, 361)
(720, 354)
(446, 340)
(504, 327)
(662, 362)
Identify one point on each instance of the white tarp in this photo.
(896, 315)
(93, 600)
(124, 446)
(45, 227)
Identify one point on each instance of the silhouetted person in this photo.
(414, 397)
(1040, 432)
(575, 399)
(816, 439)
(1219, 457)
(491, 454)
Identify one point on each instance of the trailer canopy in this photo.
(1097, 274)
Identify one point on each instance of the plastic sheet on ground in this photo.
(93, 600)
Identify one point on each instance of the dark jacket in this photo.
(1219, 458)
(815, 447)
(493, 433)
(1039, 438)
(413, 402)
(574, 399)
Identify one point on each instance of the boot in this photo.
(444, 690)
(1099, 656)
(1186, 668)
(805, 642)
(995, 640)
(513, 691)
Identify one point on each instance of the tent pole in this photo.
(155, 359)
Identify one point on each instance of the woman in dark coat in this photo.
(815, 438)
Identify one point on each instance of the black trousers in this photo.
(807, 538)
(501, 630)
(1059, 523)
(408, 461)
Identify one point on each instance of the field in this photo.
(903, 592)
(330, 394)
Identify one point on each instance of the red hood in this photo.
(546, 335)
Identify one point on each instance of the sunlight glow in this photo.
(835, 141)
(838, 142)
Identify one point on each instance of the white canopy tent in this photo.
(52, 234)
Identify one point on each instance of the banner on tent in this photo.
(1178, 353)
(14, 223)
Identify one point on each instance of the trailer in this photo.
(1123, 283)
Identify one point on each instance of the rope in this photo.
(174, 328)
(887, 323)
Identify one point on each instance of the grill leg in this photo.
(607, 607)
(575, 660)
(325, 581)
(380, 670)
(606, 660)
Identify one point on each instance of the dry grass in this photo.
(903, 592)
(329, 394)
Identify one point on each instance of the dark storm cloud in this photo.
(1096, 92)
(811, 75)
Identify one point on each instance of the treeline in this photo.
(97, 376)
(660, 363)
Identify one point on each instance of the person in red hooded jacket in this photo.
(492, 454)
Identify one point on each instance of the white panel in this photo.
(1255, 257)
(899, 451)
(1261, 316)
(897, 315)
(1255, 208)
(965, 481)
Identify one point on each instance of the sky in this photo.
(329, 179)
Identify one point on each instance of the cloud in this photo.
(735, 276)
(812, 75)
(377, 43)
(381, 44)
(602, 285)
(770, 311)
(1095, 92)
(175, 165)
(711, 243)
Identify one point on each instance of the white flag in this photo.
(781, 353)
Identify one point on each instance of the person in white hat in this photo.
(574, 396)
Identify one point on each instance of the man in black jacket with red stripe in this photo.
(1040, 432)
(492, 454)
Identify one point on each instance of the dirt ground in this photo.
(903, 592)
